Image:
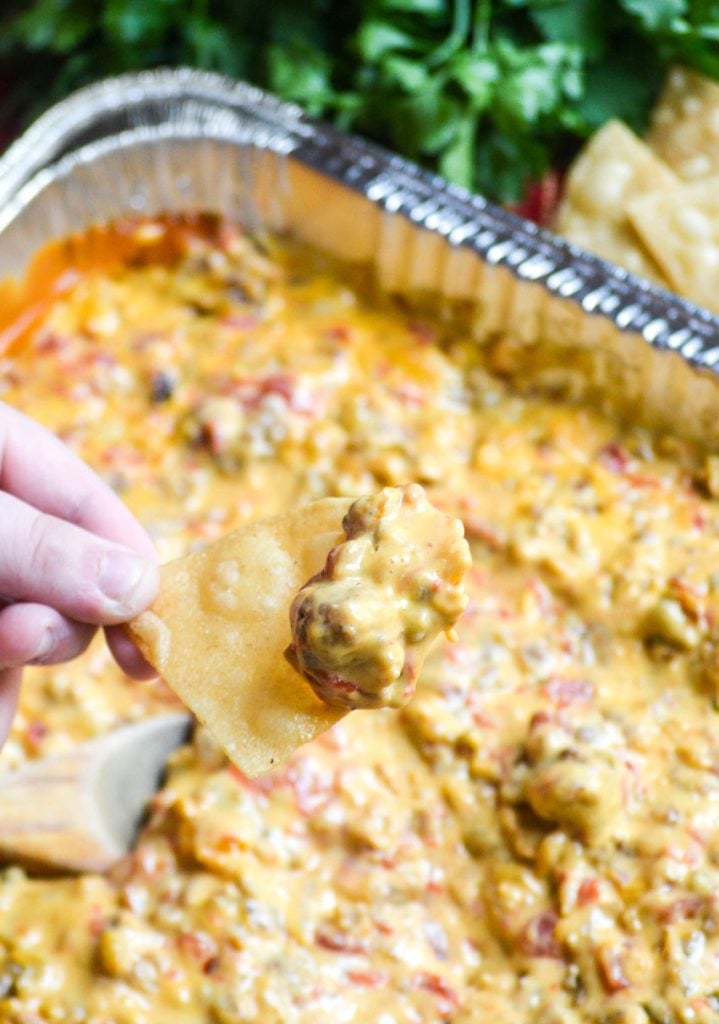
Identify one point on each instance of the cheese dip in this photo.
(534, 838)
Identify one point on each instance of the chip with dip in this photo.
(385, 578)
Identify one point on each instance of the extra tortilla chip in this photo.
(614, 167)
(681, 229)
(685, 125)
(218, 630)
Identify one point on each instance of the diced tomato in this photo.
(410, 395)
(538, 938)
(588, 892)
(615, 457)
(387, 862)
(97, 921)
(368, 978)
(448, 1000)
(540, 718)
(484, 721)
(681, 909)
(700, 520)
(424, 333)
(282, 384)
(121, 456)
(611, 969)
(383, 928)
(199, 946)
(643, 480)
(337, 941)
(240, 321)
(338, 332)
(541, 199)
(35, 732)
(50, 344)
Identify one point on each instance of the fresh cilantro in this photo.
(658, 15)
(300, 73)
(491, 93)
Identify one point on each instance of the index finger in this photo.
(36, 467)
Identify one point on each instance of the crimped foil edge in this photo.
(526, 280)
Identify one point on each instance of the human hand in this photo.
(72, 557)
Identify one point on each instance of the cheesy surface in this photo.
(535, 837)
(362, 627)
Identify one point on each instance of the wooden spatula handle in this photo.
(80, 810)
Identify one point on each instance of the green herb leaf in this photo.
(300, 74)
(377, 38)
(657, 15)
(583, 23)
(538, 80)
(477, 77)
(436, 7)
(616, 89)
(410, 75)
(48, 24)
(456, 162)
(133, 22)
(424, 123)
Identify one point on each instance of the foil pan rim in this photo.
(196, 104)
(43, 141)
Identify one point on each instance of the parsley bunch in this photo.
(488, 92)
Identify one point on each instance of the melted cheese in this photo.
(535, 838)
(362, 627)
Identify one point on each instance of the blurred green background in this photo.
(490, 93)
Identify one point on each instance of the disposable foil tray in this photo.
(186, 141)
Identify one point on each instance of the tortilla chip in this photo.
(613, 168)
(218, 630)
(681, 230)
(685, 125)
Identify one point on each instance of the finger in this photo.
(38, 635)
(9, 690)
(52, 562)
(65, 487)
(127, 655)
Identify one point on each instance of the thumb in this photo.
(47, 560)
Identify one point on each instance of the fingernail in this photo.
(128, 581)
(44, 647)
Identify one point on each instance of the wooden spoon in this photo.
(80, 810)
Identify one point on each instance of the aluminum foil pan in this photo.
(181, 140)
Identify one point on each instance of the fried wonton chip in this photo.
(681, 230)
(219, 627)
(685, 124)
(613, 168)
